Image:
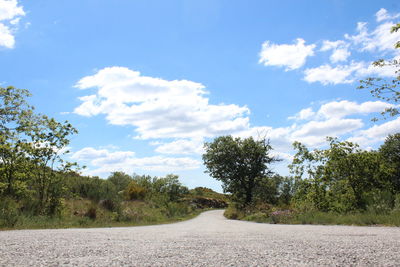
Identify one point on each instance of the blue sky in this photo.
(147, 82)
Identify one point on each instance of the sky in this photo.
(146, 83)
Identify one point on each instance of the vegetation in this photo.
(240, 164)
(342, 184)
(38, 189)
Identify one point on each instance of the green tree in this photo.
(339, 178)
(384, 89)
(120, 180)
(31, 149)
(390, 151)
(240, 164)
(15, 124)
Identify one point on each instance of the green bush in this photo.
(234, 213)
(9, 212)
(134, 191)
(109, 204)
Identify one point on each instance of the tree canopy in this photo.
(240, 164)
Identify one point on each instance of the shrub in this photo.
(281, 216)
(109, 204)
(9, 213)
(233, 213)
(91, 213)
(135, 192)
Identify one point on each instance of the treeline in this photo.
(39, 189)
(342, 179)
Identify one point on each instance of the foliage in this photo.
(134, 191)
(340, 178)
(390, 151)
(9, 213)
(31, 149)
(240, 164)
(120, 180)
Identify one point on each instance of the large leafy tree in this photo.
(240, 164)
(385, 89)
(31, 149)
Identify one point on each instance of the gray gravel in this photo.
(208, 240)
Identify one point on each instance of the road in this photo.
(208, 240)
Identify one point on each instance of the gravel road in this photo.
(208, 240)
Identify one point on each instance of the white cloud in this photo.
(10, 14)
(326, 74)
(340, 109)
(303, 114)
(158, 108)
(382, 14)
(330, 127)
(181, 146)
(376, 133)
(291, 56)
(342, 74)
(380, 39)
(102, 162)
(340, 50)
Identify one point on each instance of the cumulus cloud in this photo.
(103, 161)
(291, 56)
(340, 109)
(10, 13)
(326, 74)
(340, 50)
(303, 114)
(337, 71)
(315, 132)
(383, 14)
(342, 74)
(181, 146)
(376, 133)
(380, 39)
(158, 108)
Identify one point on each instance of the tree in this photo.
(31, 149)
(240, 164)
(390, 151)
(339, 178)
(120, 180)
(15, 124)
(387, 90)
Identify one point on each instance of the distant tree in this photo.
(240, 164)
(390, 151)
(387, 90)
(120, 180)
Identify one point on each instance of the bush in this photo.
(233, 213)
(135, 192)
(109, 204)
(91, 213)
(281, 216)
(176, 209)
(9, 213)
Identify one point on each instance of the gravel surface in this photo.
(208, 240)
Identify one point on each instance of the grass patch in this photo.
(86, 214)
(324, 218)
